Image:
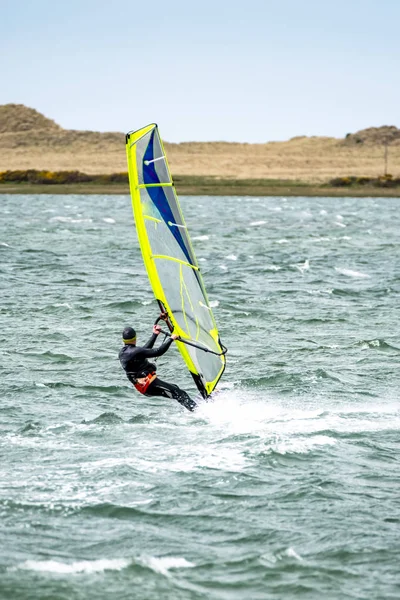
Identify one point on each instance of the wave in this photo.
(289, 381)
(124, 304)
(32, 427)
(351, 273)
(376, 344)
(110, 389)
(52, 356)
(107, 418)
(82, 566)
(162, 565)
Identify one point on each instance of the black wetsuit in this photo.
(134, 360)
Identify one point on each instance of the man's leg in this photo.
(170, 390)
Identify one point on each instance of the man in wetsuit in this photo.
(142, 373)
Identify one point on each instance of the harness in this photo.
(143, 383)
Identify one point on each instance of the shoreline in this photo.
(203, 186)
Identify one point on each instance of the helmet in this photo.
(129, 335)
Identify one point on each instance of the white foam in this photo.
(270, 559)
(303, 267)
(214, 303)
(83, 566)
(301, 445)
(4, 244)
(318, 292)
(223, 267)
(69, 220)
(257, 223)
(164, 564)
(231, 257)
(291, 552)
(108, 220)
(201, 238)
(320, 239)
(351, 273)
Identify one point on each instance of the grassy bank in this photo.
(208, 186)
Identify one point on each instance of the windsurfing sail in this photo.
(169, 258)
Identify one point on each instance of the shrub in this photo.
(60, 177)
(341, 181)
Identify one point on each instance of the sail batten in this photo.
(170, 260)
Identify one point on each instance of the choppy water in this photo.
(287, 486)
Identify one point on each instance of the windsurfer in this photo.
(142, 373)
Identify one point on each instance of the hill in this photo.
(375, 136)
(15, 118)
(29, 140)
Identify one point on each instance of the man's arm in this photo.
(150, 342)
(150, 353)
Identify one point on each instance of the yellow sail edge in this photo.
(150, 259)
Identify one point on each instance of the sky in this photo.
(214, 70)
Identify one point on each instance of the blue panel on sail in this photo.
(158, 196)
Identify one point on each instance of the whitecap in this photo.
(214, 303)
(69, 220)
(256, 223)
(268, 558)
(291, 552)
(83, 566)
(318, 292)
(223, 267)
(201, 238)
(108, 220)
(302, 267)
(164, 564)
(302, 445)
(351, 273)
(231, 257)
(320, 239)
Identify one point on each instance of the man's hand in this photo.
(174, 336)
(156, 329)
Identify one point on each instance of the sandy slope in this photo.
(30, 140)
